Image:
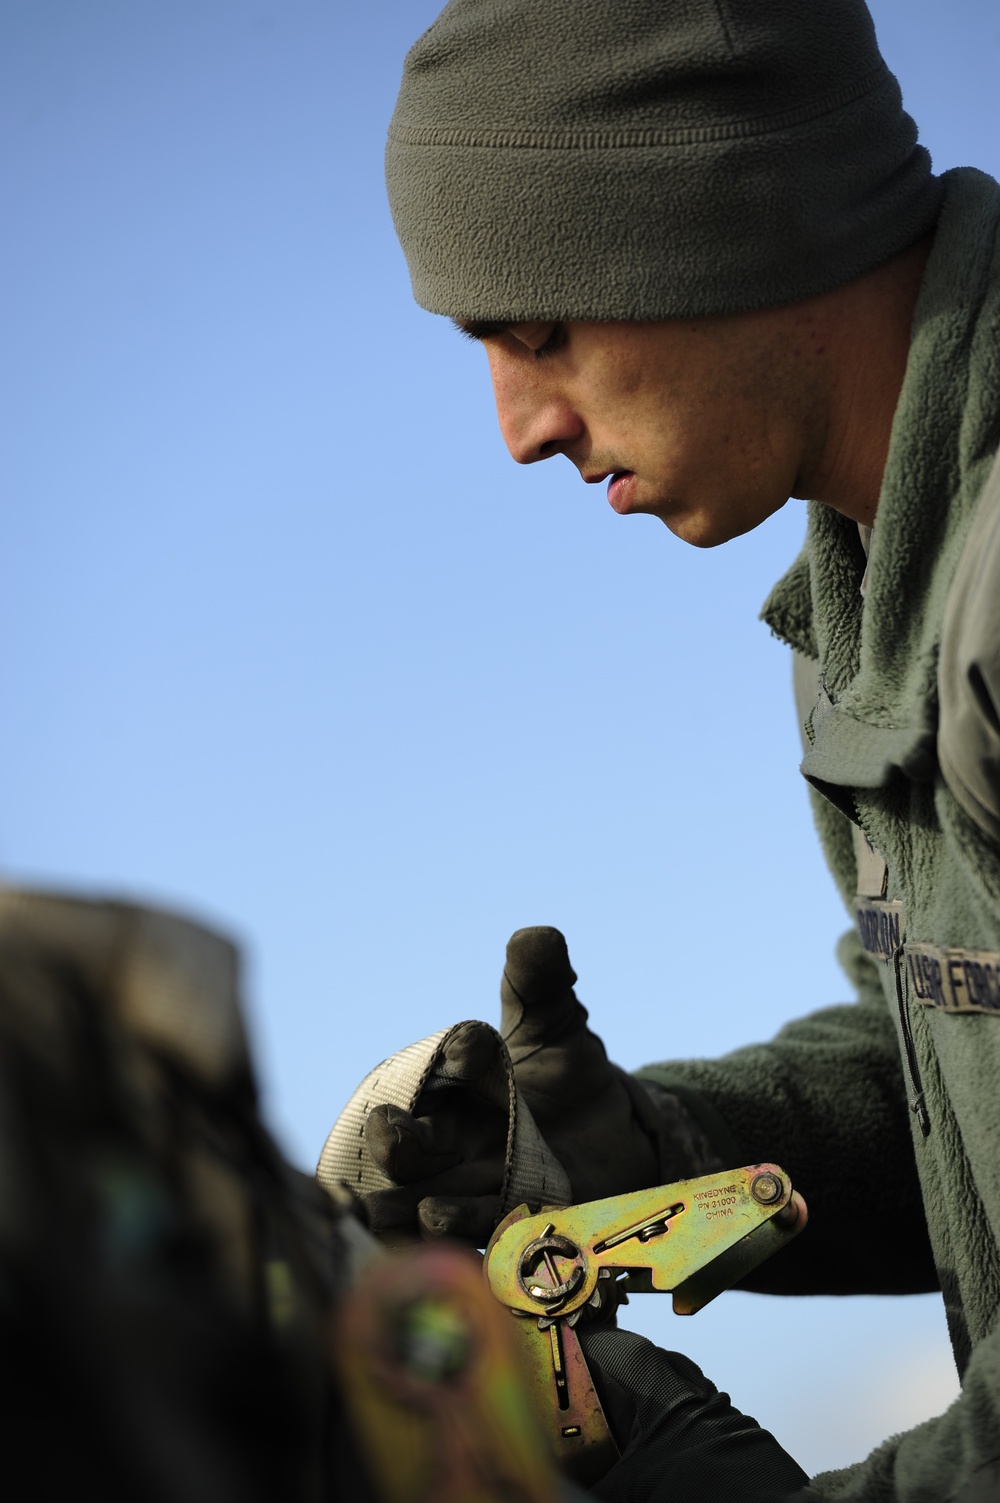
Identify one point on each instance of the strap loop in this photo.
(532, 1173)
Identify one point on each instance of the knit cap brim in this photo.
(635, 159)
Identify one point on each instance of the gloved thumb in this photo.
(591, 1114)
(538, 1004)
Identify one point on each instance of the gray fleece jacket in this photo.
(902, 1087)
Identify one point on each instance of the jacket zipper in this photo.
(914, 1085)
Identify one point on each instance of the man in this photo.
(710, 265)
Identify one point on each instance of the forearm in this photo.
(825, 1100)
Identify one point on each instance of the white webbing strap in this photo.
(532, 1173)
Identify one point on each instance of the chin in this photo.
(709, 529)
(701, 531)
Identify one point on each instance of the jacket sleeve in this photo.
(954, 1457)
(825, 1099)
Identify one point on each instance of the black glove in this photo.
(447, 1157)
(681, 1439)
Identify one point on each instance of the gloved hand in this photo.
(681, 1439)
(447, 1157)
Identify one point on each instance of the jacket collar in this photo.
(877, 704)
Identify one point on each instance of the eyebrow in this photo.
(480, 328)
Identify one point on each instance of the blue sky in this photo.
(286, 641)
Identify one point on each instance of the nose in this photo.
(536, 419)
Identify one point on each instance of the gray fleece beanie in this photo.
(647, 159)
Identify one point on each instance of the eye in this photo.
(554, 342)
(540, 338)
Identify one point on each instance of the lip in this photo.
(620, 488)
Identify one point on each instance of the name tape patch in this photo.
(880, 925)
(873, 873)
(954, 980)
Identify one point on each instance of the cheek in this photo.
(688, 439)
(728, 439)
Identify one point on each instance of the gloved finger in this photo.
(408, 1148)
(686, 1440)
(392, 1210)
(559, 1062)
(536, 992)
(408, 1208)
(469, 1054)
(457, 1150)
(638, 1383)
(469, 1219)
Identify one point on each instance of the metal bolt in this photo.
(551, 1252)
(766, 1189)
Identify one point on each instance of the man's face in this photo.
(704, 423)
